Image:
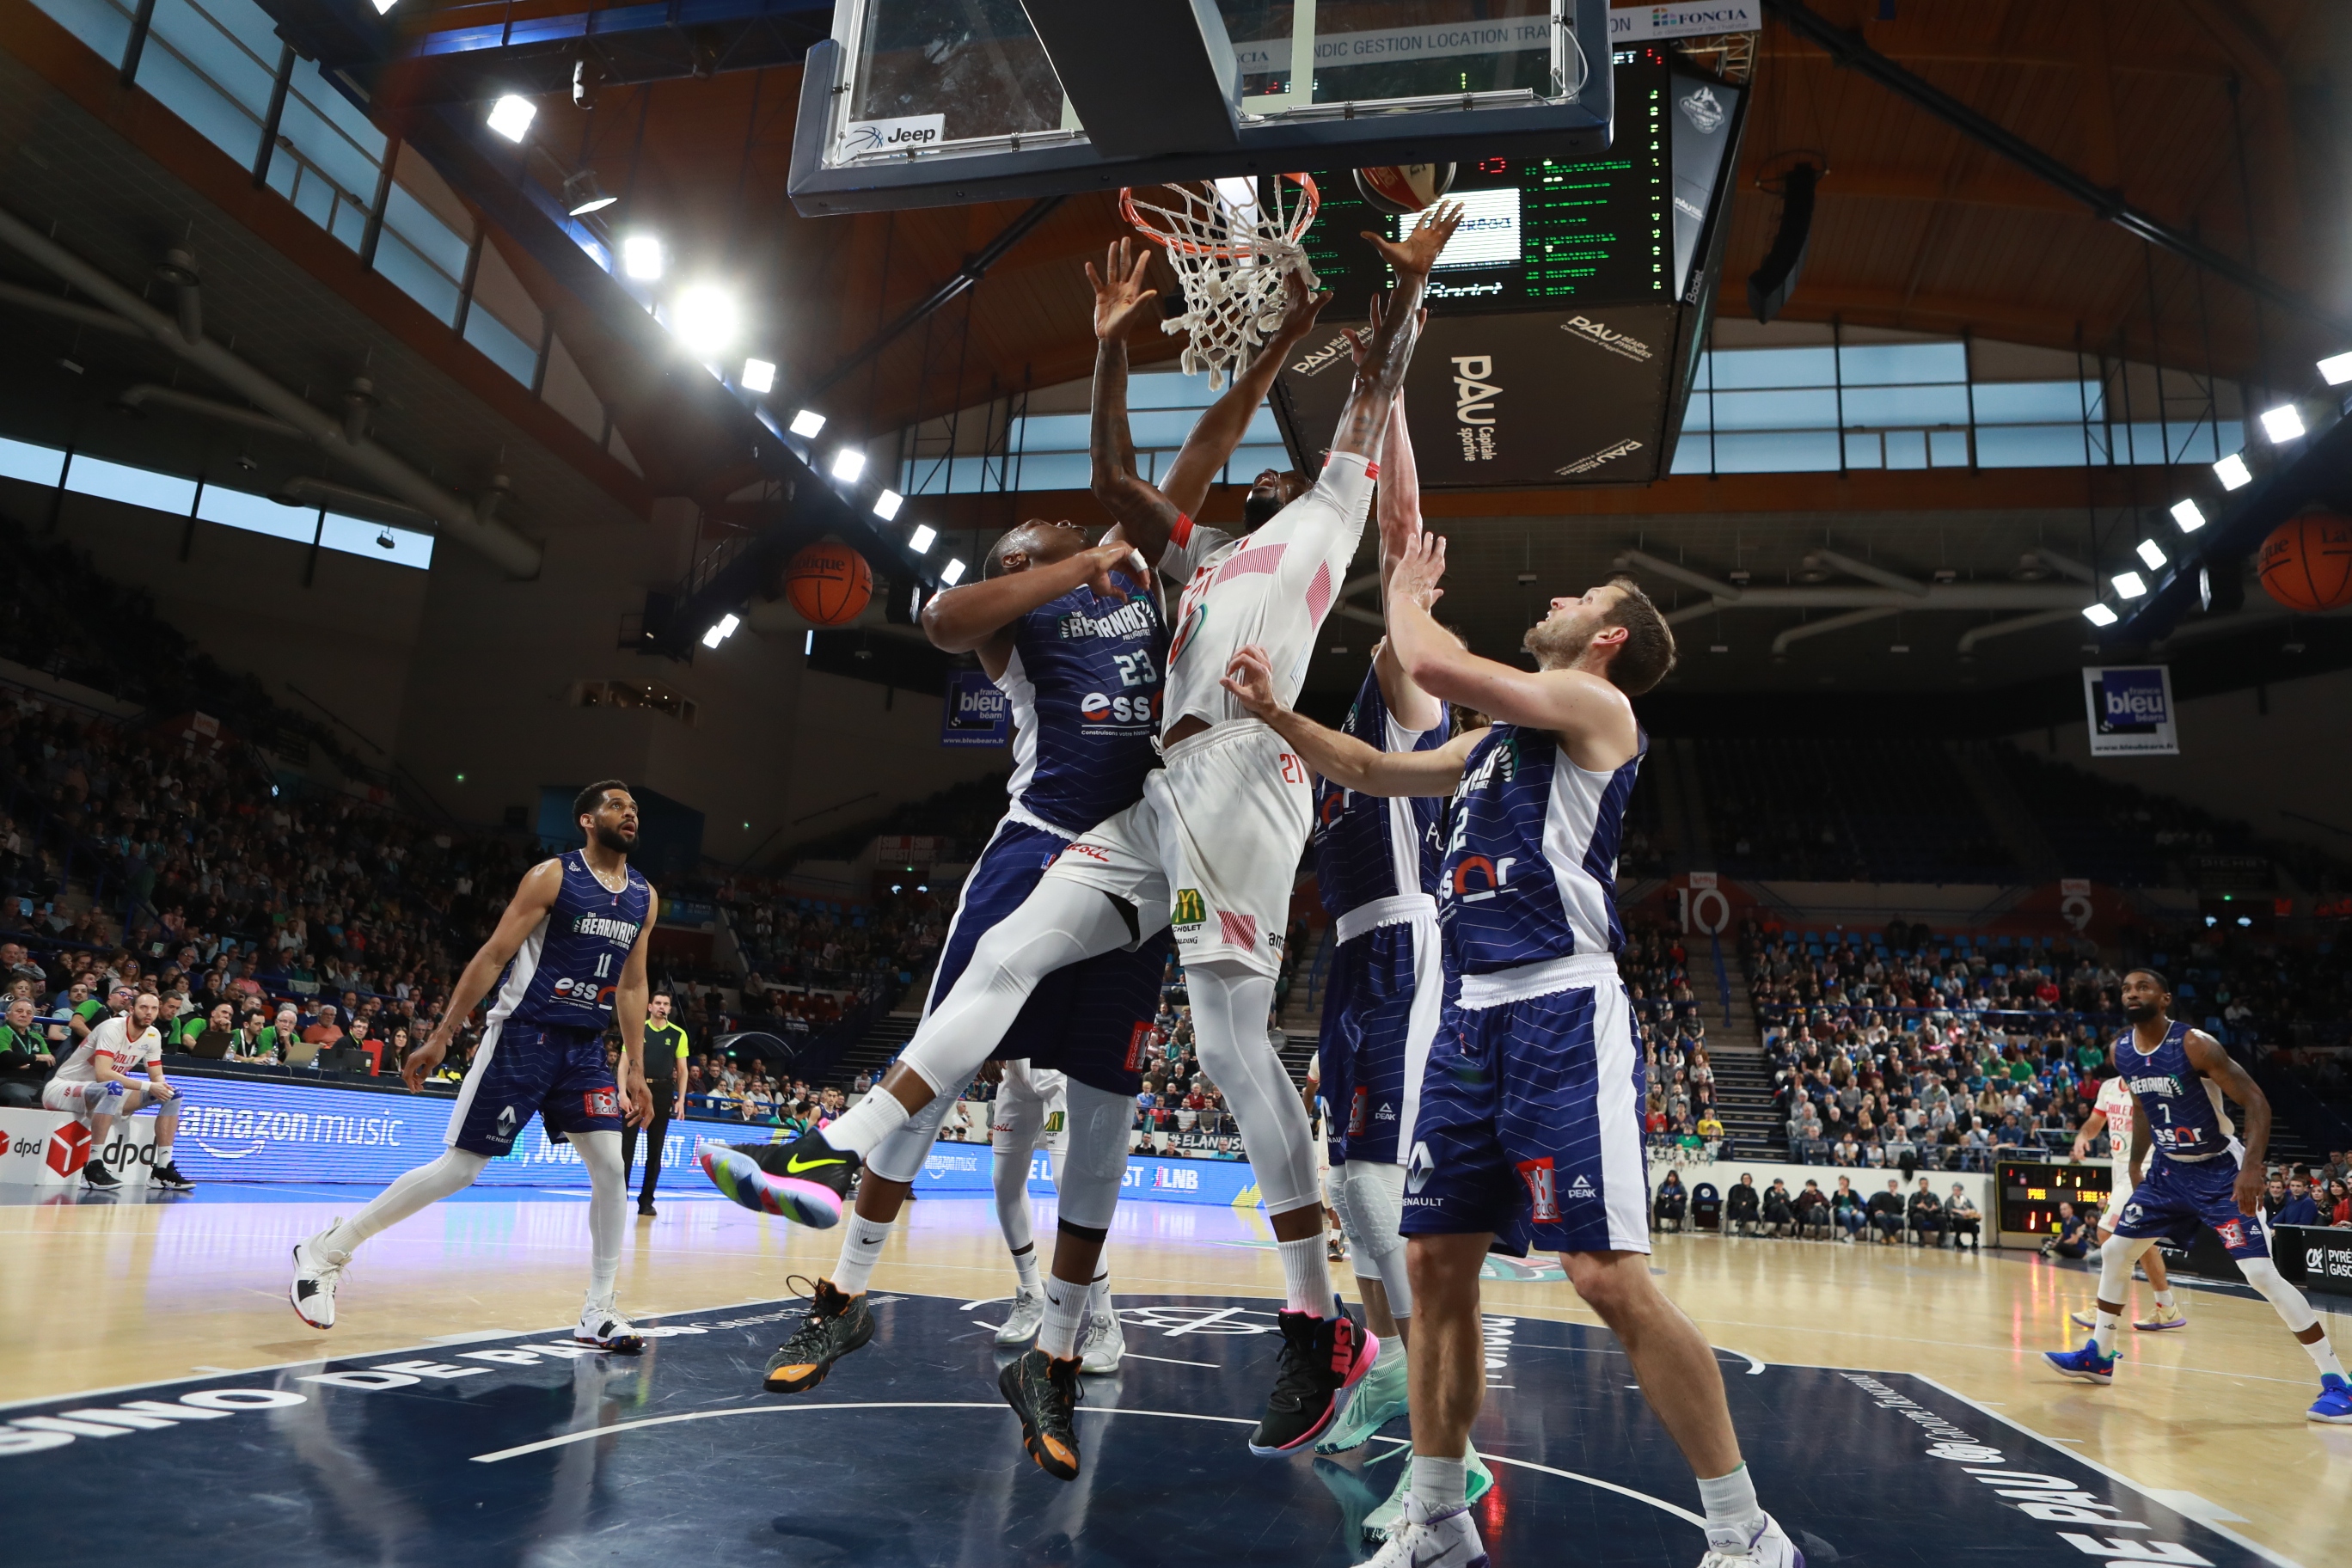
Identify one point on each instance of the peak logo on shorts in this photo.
(1541, 1190)
(1190, 909)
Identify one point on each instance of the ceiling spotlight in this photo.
(2030, 568)
(921, 539)
(2188, 516)
(714, 637)
(2234, 473)
(583, 194)
(721, 630)
(953, 573)
(705, 319)
(848, 463)
(2129, 586)
(2098, 615)
(512, 116)
(641, 257)
(2284, 423)
(2337, 368)
(384, 7)
(887, 504)
(2151, 554)
(807, 422)
(758, 375)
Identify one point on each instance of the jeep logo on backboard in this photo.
(908, 135)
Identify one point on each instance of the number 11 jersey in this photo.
(563, 976)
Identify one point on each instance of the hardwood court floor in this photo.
(103, 1295)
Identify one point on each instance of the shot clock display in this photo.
(2030, 1191)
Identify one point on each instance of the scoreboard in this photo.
(2028, 1192)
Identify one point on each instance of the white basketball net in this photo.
(1231, 253)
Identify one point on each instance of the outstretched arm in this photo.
(977, 616)
(1344, 760)
(1380, 372)
(2206, 1055)
(1145, 516)
(1399, 520)
(1218, 431)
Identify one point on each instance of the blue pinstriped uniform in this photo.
(2192, 1170)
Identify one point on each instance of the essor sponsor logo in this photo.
(1096, 707)
(1474, 395)
(1609, 454)
(1601, 335)
(911, 134)
(1319, 360)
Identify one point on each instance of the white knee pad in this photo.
(2117, 1256)
(601, 1153)
(2293, 1309)
(900, 1156)
(1094, 1165)
(1371, 1210)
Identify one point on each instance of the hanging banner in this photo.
(2130, 710)
(976, 713)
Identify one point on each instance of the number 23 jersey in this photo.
(564, 973)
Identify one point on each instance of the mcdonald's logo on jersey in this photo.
(1476, 879)
(1191, 909)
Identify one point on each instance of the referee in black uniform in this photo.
(665, 1080)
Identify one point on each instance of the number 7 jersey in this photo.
(564, 975)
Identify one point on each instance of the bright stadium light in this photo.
(887, 504)
(2189, 516)
(921, 539)
(641, 257)
(2234, 473)
(2337, 368)
(2151, 554)
(713, 638)
(2129, 586)
(721, 629)
(807, 422)
(758, 375)
(2098, 615)
(705, 319)
(848, 463)
(2284, 423)
(953, 573)
(512, 116)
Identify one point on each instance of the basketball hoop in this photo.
(1231, 253)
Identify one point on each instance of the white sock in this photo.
(2110, 1325)
(1025, 1263)
(1066, 1309)
(868, 1122)
(163, 1154)
(1440, 1484)
(2164, 1299)
(1099, 1295)
(1306, 1276)
(1732, 1517)
(861, 1248)
(2322, 1356)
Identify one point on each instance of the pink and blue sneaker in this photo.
(2334, 1404)
(2086, 1364)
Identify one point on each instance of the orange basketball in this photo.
(828, 582)
(2306, 563)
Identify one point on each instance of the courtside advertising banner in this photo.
(2130, 710)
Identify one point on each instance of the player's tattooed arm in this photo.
(1121, 304)
(1220, 429)
(2206, 1055)
(533, 898)
(1344, 760)
(629, 1012)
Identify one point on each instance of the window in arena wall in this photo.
(632, 694)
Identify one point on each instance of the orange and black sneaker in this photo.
(835, 1325)
(1045, 1394)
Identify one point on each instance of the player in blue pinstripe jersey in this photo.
(1529, 1130)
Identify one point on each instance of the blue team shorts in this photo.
(1381, 1008)
(1532, 1115)
(1090, 1020)
(2179, 1195)
(523, 1067)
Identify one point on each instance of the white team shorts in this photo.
(1212, 847)
(88, 1098)
(1017, 1121)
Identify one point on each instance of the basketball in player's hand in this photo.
(1405, 187)
(829, 584)
(2306, 563)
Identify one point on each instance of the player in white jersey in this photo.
(1213, 846)
(2112, 1114)
(95, 1085)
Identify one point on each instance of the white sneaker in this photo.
(317, 1272)
(602, 1325)
(1770, 1547)
(1021, 1323)
(1104, 1347)
(1449, 1540)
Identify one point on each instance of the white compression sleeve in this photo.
(1094, 1160)
(1372, 1194)
(1017, 1119)
(608, 1204)
(2293, 1309)
(1229, 1005)
(453, 1171)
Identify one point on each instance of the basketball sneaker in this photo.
(167, 1176)
(1384, 1520)
(1378, 1400)
(2334, 1404)
(834, 1325)
(1447, 1540)
(602, 1325)
(1045, 1394)
(805, 1181)
(1104, 1347)
(317, 1272)
(99, 1178)
(1768, 1547)
(1020, 1322)
(2086, 1365)
(1321, 1361)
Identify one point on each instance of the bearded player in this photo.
(1529, 1131)
(1211, 848)
(2112, 1114)
(2199, 1174)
